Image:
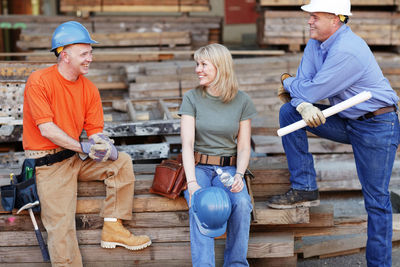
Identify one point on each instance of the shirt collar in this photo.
(328, 43)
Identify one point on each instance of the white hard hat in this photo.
(337, 7)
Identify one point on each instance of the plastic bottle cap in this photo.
(219, 171)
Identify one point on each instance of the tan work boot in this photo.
(115, 234)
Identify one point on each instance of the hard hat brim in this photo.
(210, 232)
(313, 8)
(91, 42)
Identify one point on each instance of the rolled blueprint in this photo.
(352, 101)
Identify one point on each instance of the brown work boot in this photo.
(115, 234)
(293, 199)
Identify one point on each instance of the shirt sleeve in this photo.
(339, 71)
(249, 110)
(39, 103)
(187, 106)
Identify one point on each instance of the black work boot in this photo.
(294, 198)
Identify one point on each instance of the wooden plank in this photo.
(135, 6)
(270, 245)
(93, 237)
(341, 244)
(260, 245)
(290, 27)
(13, 222)
(266, 3)
(274, 262)
(273, 144)
(141, 203)
(267, 216)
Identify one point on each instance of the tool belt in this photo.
(214, 160)
(22, 188)
(50, 159)
(376, 113)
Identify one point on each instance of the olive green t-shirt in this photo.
(217, 123)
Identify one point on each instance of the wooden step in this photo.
(260, 246)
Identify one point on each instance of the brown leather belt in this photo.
(376, 113)
(214, 160)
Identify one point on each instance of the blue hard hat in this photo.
(70, 32)
(211, 208)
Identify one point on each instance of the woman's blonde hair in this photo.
(225, 81)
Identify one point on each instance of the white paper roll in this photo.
(357, 99)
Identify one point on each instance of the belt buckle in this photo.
(225, 161)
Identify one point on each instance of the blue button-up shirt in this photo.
(339, 68)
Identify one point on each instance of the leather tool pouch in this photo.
(169, 179)
(22, 189)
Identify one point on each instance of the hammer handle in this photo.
(39, 237)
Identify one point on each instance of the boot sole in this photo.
(105, 244)
(305, 204)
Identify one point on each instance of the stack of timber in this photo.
(126, 34)
(258, 76)
(165, 221)
(277, 237)
(283, 23)
(134, 6)
(138, 126)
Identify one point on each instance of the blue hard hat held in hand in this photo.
(70, 32)
(211, 208)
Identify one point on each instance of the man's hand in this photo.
(104, 146)
(283, 95)
(100, 148)
(87, 148)
(311, 114)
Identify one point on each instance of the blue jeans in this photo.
(237, 232)
(374, 142)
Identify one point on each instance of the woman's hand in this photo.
(238, 184)
(192, 187)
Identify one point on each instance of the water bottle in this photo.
(225, 177)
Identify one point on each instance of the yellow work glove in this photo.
(283, 95)
(311, 114)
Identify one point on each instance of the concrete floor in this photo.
(354, 260)
(346, 204)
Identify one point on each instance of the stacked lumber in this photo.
(284, 23)
(134, 6)
(165, 221)
(124, 32)
(258, 77)
(354, 3)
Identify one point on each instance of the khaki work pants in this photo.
(57, 188)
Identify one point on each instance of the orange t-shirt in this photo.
(72, 106)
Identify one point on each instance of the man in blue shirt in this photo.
(337, 64)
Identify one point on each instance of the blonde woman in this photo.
(215, 133)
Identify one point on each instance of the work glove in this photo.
(104, 147)
(284, 95)
(88, 148)
(100, 148)
(311, 114)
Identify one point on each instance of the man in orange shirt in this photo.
(59, 102)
